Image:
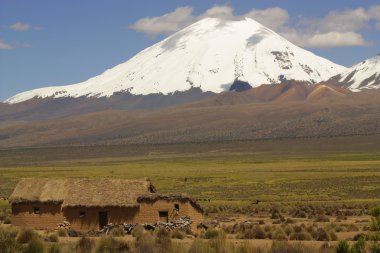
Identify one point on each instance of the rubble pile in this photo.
(182, 224)
(65, 225)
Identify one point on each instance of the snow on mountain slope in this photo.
(362, 76)
(210, 54)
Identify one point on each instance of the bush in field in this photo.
(26, 235)
(284, 247)
(333, 236)
(219, 244)
(177, 234)
(199, 246)
(35, 245)
(145, 243)
(55, 248)
(322, 218)
(163, 240)
(375, 248)
(52, 238)
(352, 228)
(342, 247)
(359, 246)
(299, 236)
(7, 220)
(375, 211)
(138, 231)
(211, 233)
(8, 243)
(84, 245)
(106, 245)
(253, 233)
(322, 235)
(62, 232)
(117, 232)
(122, 247)
(375, 224)
(279, 235)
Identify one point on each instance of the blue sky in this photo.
(51, 42)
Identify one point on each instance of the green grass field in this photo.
(225, 173)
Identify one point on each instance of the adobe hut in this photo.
(90, 204)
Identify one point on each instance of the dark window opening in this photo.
(163, 216)
(36, 210)
(176, 207)
(103, 219)
(82, 214)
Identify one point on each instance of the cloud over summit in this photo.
(337, 29)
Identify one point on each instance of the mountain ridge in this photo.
(362, 76)
(209, 54)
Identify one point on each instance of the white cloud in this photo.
(165, 24)
(274, 18)
(330, 39)
(183, 16)
(222, 11)
(336, 29)
(20, 27)
(5, 45)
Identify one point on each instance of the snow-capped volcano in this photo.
(362, 76)
(210, 54)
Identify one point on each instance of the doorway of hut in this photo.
(163, 216)
(103, 219)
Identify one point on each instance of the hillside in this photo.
(352, 114)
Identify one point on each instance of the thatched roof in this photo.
(152, 197)
(81, 192)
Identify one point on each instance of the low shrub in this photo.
(26, 235)
(219, 244)
(8, 243)
(199, 246)
(163, 240)
(106, 245)
(284, 247)
(138, 231)
(375, 211)
(117, 232)
(7, 220)
(342, 247)
(333, 236)
(84, 245)
(123, 247)
(62, 232)
(52, 238)
(375, 248)
(322, 218)
(359, 246)
(35, 245)
(322, 235)
(352, 228)
(299, 236)
(55, 248)
(177, 234)
(279, 235)
(375, 224)
(211, 233)
(145, 244)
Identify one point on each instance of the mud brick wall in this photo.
(50, 215)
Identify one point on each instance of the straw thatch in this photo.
(169, 197)
(82, 192)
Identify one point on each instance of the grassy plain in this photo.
(237, 173)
